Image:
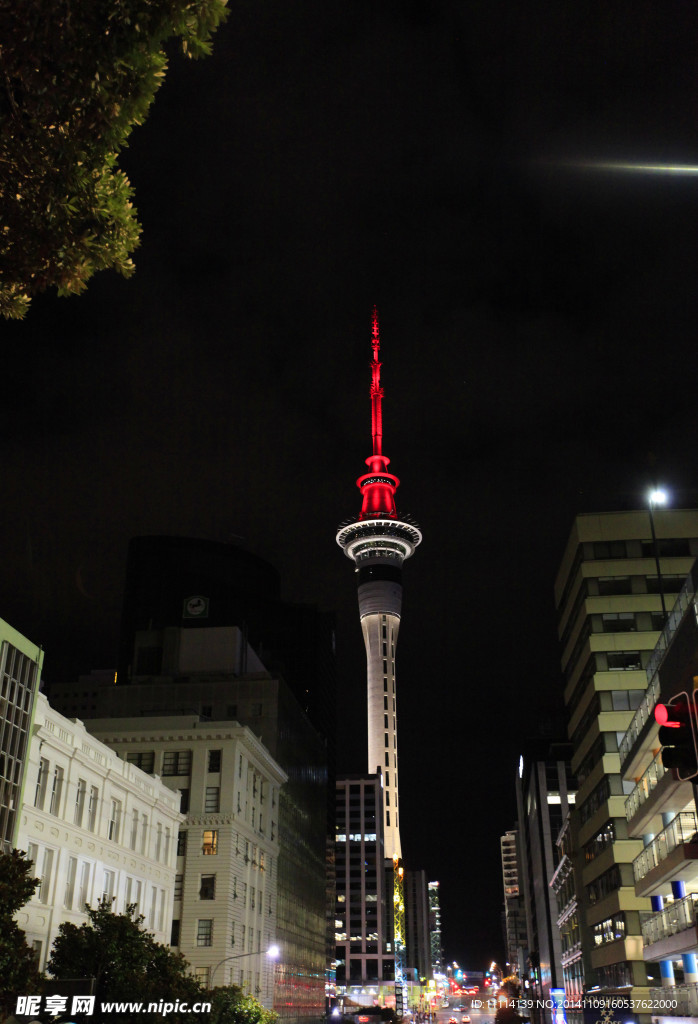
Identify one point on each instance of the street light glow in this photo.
(658, 497)
(274, 952)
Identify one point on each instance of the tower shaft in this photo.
(378, 543)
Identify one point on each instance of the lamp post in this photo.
(654, 498)
(273, 953)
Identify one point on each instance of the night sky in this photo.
(538, 326)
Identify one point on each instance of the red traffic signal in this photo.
(678, 735)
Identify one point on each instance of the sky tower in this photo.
(378, 543)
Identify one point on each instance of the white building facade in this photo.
(96, 828)
(225, 906)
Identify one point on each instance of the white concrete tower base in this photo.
(380, 603)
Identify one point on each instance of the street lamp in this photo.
(657, 497)
(273, 953)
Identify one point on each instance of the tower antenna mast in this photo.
(376, 389)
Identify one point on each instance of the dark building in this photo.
(545, 792)
(186, 582)
(417, 924)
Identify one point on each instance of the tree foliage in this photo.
(18, 971)
(75, 77)
(231, 1006)
(125, 961)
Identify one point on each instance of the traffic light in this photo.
(678, 735)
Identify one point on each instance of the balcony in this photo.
(677, 1001)
(656, 792)
(628, 745)
(671, 931)
(642, 715)
(672, 855)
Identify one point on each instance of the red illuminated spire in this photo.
(376, 390)
(377, 487)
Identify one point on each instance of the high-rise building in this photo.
(437, 954)
(515, 935)
(417, 925)
(661, 811)
(618, 573)
(364, 961)
(378, 543)
(545, 792)
(20, 673)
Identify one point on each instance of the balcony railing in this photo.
(643, 713)
(644, 787)
(684, 598)
(645, 709)
(679, 831)
(675, 917)
(678, 1000)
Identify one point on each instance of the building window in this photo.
(114, 821)
(624, 661)
(70, 883)
(214, 760)
(79, 802)
(56, 790)
(144, 833)
(174, 934)
(182, 843)
(210, 842)
(184, 801)
(176, 762)
(83, 898)
(143, 759)
(92, 809)
(231, 711)
(134, 830)
(207, 890)
(158, 841)
(212, 801)
(107, 887)
(204, 932)
(178, 886)
(40, 793)
(618, 622)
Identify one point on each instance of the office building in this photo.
(437, 955)
(571, 909)
(661, 817)
(515, 934)
(545, 792)
(226, 896)
(365, 961)
(610, 591)
(20, 674)
(96, 828)
(418, 954)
